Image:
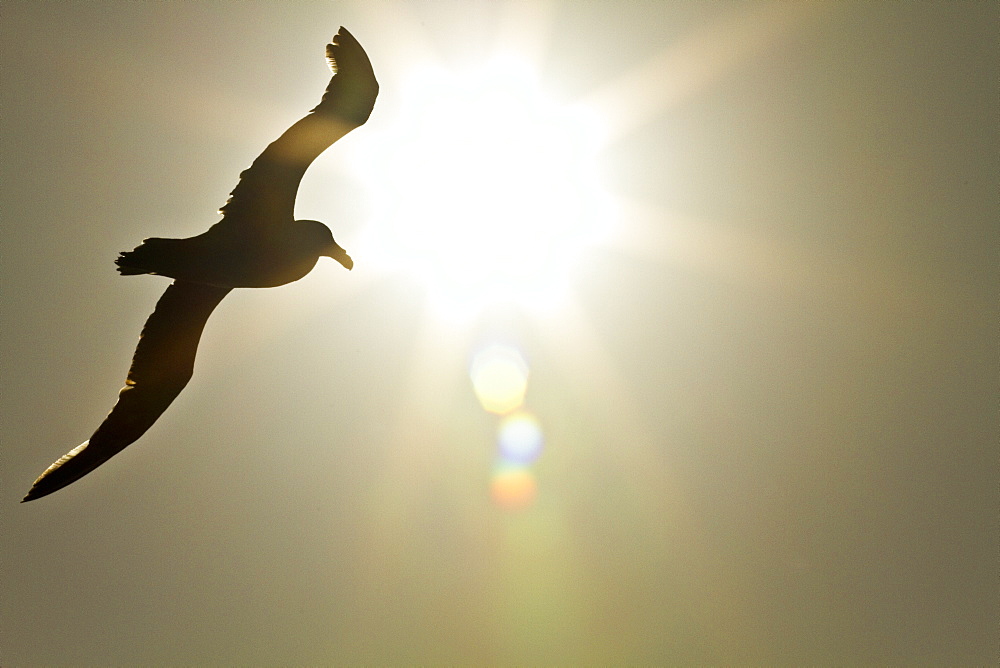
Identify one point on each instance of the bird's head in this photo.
(321, 239)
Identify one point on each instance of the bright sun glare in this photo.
(485, 191)
(490, 189)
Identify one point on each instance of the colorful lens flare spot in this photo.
(520, 438)
(499, 378)
(513, 487)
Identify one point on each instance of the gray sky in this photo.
(769, 404)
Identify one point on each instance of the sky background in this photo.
(769, 405)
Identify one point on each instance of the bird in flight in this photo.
(257, 244)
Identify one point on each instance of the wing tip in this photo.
(45, 485)
(342, 33)
(36, 492)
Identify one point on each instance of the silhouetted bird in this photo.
(257, 244)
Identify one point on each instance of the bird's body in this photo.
(257, 244)
(237, 259)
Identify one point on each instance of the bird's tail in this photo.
(146, 258)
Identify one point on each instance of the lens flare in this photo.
(499, 378)
(520, 438)
(513, 487)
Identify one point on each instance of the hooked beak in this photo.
(341, 256)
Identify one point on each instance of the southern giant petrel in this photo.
(257, 244)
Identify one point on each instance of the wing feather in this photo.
(266, 190)
(161, 367)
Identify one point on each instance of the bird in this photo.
(257, 244)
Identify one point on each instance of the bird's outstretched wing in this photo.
(266, 191)
(161, 367)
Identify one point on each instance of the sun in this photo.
(488, 190)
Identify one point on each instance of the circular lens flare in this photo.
(499, 378)
(513, 487)
(520, 438)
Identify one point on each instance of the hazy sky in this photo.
(768, 398)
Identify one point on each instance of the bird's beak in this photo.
(341, 256)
